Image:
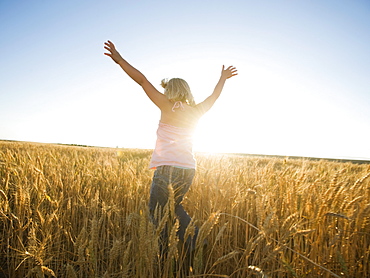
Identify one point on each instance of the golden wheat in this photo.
(82, 212)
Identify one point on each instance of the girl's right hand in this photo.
(114, 54)
(229, 72)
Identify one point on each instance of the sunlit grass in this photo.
(82, 212)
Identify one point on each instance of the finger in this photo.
(107, 48)
(111, 44)
(111, 50)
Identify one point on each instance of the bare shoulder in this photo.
(159, 99)
(201, 108)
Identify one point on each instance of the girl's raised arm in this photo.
(158, 98)
(207, 104)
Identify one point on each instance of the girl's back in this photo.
(180, 114)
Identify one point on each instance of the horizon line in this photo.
(358, 160)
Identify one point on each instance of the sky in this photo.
(302, 89)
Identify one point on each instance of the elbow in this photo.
(142, 81)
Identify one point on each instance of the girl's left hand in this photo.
(229, 72)
(114, 54)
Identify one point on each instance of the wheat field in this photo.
(68, 211)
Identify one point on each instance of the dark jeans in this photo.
(180, 179)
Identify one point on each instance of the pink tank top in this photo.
(174, 147)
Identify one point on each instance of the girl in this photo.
(172, 157)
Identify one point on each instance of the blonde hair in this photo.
(177, 89)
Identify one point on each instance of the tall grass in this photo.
(82, 212)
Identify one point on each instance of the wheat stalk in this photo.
(87, 208)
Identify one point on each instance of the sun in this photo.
(209, 138)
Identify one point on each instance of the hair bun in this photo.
(164, 83)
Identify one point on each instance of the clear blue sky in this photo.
(303, 86)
